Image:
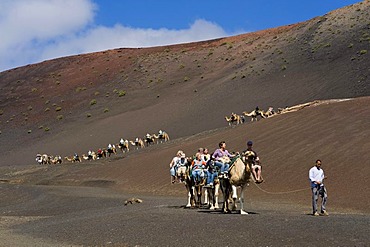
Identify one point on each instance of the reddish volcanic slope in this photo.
(84, 102)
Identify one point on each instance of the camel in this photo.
(111, 150)
(124, 147)
(162, 136)
(189, 184)
(239, 175)
(149, 139)
(101, 153)
(269, 112)
(73, 159)
(92, 156)
(45, 159)
(254, 114)
(234, 118)
(69, 159)
(42, 159)
(56, 160)
(139, 143)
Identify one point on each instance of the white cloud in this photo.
(37, 30)
(103, 38)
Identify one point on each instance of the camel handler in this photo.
(316, 176)
(252, 156)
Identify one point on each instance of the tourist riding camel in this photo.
(39, 159)
(234, 118)
(197, 169)
(222, 158)
(57, 159)
(149, 139)
(123, 145)
(162, 136)
(181, 168)
(209, 169)
(111, 149)
(74, 158)
(254, 114)
(252, 158)
(91, 155)
(139, 143)
(269, 112)
(173, 165)
(100, 153)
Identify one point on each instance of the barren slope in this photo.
(288, 144)
(183, 89)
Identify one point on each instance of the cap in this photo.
(249, 143)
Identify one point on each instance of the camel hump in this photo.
(235, 159)
(133, 200)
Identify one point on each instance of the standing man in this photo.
(316, 176)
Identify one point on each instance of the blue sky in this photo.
(36, 30)
(231, 15)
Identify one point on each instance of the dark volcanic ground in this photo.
(83, 204)
(97, 217)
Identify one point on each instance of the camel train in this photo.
(239, 176)
(123, 145)
(48, 159)
(236, 119)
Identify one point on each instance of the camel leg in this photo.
(242, 201)
(194, 194)
(217, 187)
(234, 196)
(206, 199)
(211, 199)
(188, 205)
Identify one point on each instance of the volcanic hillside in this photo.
(83, 102)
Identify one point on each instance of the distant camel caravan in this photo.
(123, 145)
(238, 119)
(48, 159)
